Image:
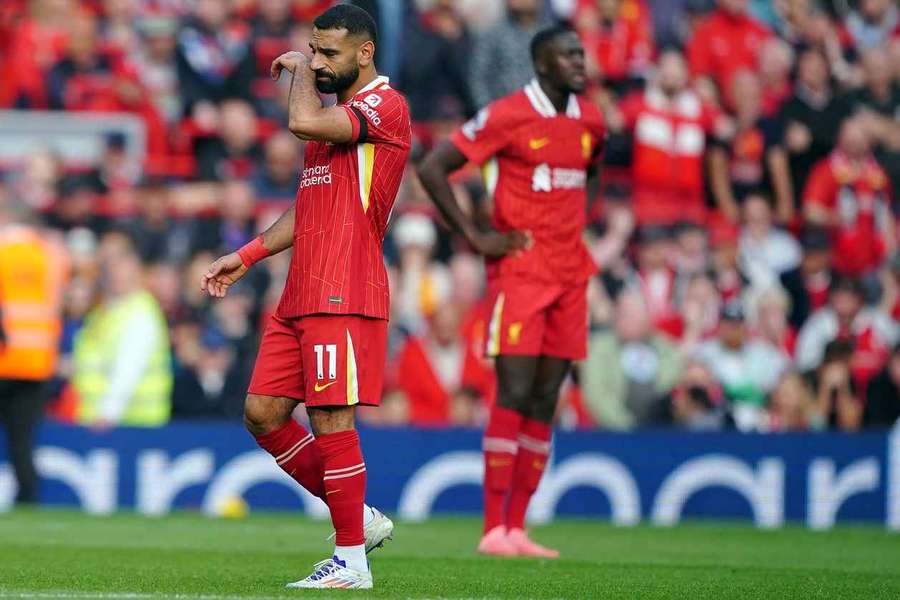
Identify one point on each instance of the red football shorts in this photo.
(322, 360)
(534, 319)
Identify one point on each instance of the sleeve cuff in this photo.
(358, 123)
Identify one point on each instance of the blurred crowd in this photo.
(745, 226)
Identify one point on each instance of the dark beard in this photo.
(337, 83)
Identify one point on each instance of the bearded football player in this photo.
(325, 346)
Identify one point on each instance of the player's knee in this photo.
(331, 419)
(514, 396)
(543, 405)
(263, 414)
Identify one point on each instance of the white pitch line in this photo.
(128, 596)
(153, 596)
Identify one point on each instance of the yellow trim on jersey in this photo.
(352, 379)
(490, 172)
(493, 348)
(365, 160)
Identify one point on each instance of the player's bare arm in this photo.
(227, 270)
(307, 118)
(434, 171)
(337, 59)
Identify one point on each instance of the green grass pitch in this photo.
(53, 554)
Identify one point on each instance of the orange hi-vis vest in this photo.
(32, 276)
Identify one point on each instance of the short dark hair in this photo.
(546, 36)
(355, 20)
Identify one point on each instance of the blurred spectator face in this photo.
(282, 157)
(609, 9)
(394, 409)
(776, 59)
(746, 94)
(876, 64)
(523, 8)
(812, 70)
(701, 301)
(652, 255)
(464, 409)
(874, 11)
(159, 39)
(120, 266)
(757, 216)
(164, 282)
(78, 206)
(692, 250)
(237, 202)
(846, 303)
(82, 47)
(732, 333)
(853, 140)
(672, 74)
(275, 12)
(79, 298)
(118, 9)
(186, 342)
(445, 325)
(733, 7)
(791, 401)
(795, 10)
(771, 315)
(154, 204)
(211, 13)
(632, 318)
(238, 126)
(816, 260)
(466, 271)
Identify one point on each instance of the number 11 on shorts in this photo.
(321, 350)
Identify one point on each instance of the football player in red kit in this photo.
(326, 344)
(538, 146)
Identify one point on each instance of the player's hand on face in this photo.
(495, 244)
(289, 61)
(222, 274)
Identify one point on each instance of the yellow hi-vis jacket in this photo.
(97, 346)
(32, 277)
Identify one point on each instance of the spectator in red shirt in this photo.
(93, 78)
(35, 44)
(618, 40)
(271, 33)
(849, 192)
(727, 41)
(440, 374)
(669, 124)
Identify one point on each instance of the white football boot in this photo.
(377, 529)
(331, 573)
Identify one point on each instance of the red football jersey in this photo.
(535, 164)
(343, 205)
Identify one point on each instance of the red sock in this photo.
(499, 457)
(534, 447)
(345, 484)
(295, 451)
